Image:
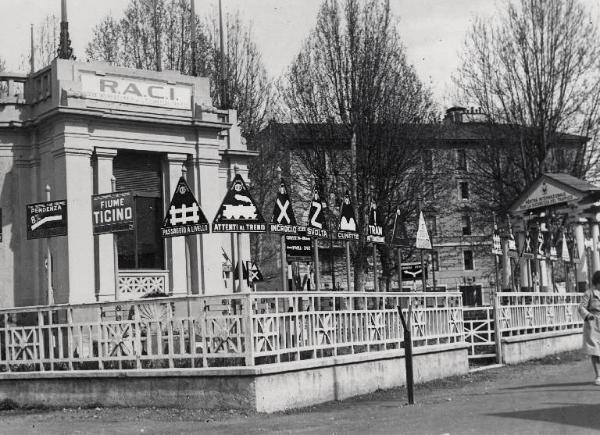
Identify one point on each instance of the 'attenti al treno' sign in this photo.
(112, 212)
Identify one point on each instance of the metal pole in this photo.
(224, 102)
(375, 283)
(32, 56)
(283, 264)
(433, 271)
(399, 253)
(423, 278)
(316, 264)
(193, 35)
(50, 289)
(188, 266)
(408, 353)
(113, 187)
(239, 261)
(348, 264)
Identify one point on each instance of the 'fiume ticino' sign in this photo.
(134, 91)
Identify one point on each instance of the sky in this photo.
(433, 31)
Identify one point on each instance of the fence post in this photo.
(408, 354)
(247, 321)
(497, 329)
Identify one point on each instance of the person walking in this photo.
(589, 309)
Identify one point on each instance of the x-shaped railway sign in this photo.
(283, 212)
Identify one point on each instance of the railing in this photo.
(479, 332)
(134, 284)
(532, 313)
(220, 331)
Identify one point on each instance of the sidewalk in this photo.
(555, 396)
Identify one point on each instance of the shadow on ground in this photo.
(583, 416)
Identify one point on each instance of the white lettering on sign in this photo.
(135, 91)
(545, 195)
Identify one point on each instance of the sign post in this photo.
(238, 214)
(423, 242)
(283, 221)
(45, 220)
(348, 230)
(317, 228)
(113, 185)
(408, 352)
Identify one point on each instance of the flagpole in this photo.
(193, 35)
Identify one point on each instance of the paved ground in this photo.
(554, 396)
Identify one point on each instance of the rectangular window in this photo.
(463, 188)
(466, 225)
(431, 222)
(428, 160)
(468, 260)
(461, 159)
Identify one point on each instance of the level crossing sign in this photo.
(254, 273)
(348, 228)
(423, 241)
(317, 224)
(46, 219)
(283, 219)
(375, 229)
(238, 212)
(184, 216)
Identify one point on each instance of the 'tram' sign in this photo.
(112, 212)
(135, 91)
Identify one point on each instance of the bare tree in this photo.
(535, 72)
(45, 43)
(352, 78)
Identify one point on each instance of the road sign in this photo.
(375, 230)
(317, 224)
(112, 212)
(283, 219)
(496, 243)
(423, 241)
(184, 216)
(412, 272)
(238, 212)
(298, 246)
(46, 219)
(564, 251)
(254, 273)
(527, 248)
(347, 228)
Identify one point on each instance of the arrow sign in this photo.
(283, 219)
(238, 212)
(184, 216)
(317, 225)
(348, 227)
(375, 230)
(423, 241)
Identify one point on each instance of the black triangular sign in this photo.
(184, 216)
(375, 229)
(238, 212)
(348, 228)
(283, 219)
(317, 224)
(255, 274)
(399, 235)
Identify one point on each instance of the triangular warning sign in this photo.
(317, 224)
(564, 254)
(375, 228)
(184, 216)
(348, 228)
(254, 273)
(399, 236)
(238, 212)
(423, 241)
(283, 219)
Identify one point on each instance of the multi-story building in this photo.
(461, 258)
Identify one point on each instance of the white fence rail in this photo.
(480, 333)
(225, 330)
(533, 313)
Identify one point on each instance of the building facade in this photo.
(72, 130)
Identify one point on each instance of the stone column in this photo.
(595, 245)
(73, 256)
(104, 252)
(176, 257)
(582, 267)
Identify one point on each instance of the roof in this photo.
(573, 182)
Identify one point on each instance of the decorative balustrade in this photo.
(137, 283)
(532, 313)
(216, 331)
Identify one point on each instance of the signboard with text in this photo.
(238, 212)
(298, 246)
(544, 195)
(112, 212)
(46, 219)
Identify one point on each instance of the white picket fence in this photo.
(238, 330)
